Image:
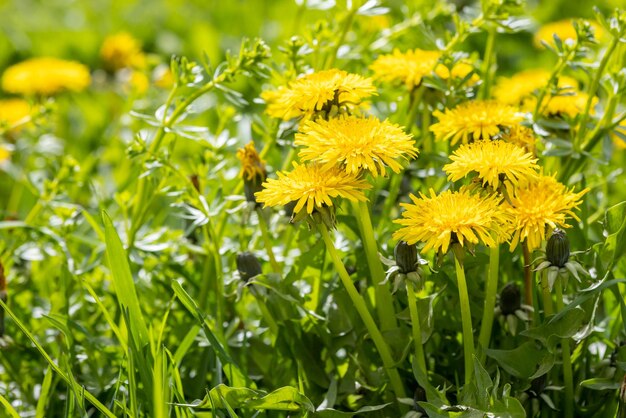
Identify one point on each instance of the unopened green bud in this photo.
(406, 257)
(248, 265)
(557, 248)
(510, 299)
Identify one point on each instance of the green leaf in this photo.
(333, 413)
(225, 397)
(525, 361)
(564, 326)
(600, 383)
(284, 399)
(125, 290)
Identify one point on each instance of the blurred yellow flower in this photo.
(122, 50)
(355, 144)
(327, 92)
(135, 82)
(570, 104)
(519, 87)
(474, 120)
(564, 29)
(252, 166)
(13, 111)
(540, 204)
(45, 76)
(4, 154)
(522, 137)
(411, 66)
(313, 186)
(163, 77)
(493, 162)
(441, 220)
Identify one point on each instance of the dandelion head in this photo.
(521, 136)
(493, 162)
(312, 186)
(252, 166)
(45, 76)
(541, 205)
(13, 110)
(450, 217)
(324, 92)
(569, 104)
(564, 30)
(356, 144)
(474, 120)
(405, 67)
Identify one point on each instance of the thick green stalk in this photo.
(366, 317)
(384, 301)
(416, 327)
(547, 296)
(528, 281)
(568, 379)
(267, 241)
(466, 317)
(490, 300)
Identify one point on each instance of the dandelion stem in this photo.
(366, 317)
(466, 315)
(568, 379)
(490, 300)
(528, 282)
(267, 240)
(416, 327)
(547, 296)
(384, 301)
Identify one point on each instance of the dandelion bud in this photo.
(557, 248)
(252, 171)
(510, 299)
(248, 266)
(406, 257)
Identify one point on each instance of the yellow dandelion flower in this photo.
(516, 89)
(45, 76)
(441, 220)
(356, 144)
(411, 66)
(479, 119)
(405, 67)
(522, 137)
(122, 50)
(541, 204)
(13, 111)
(252, 166)
(328, 92)
(618, 140)
(135, 82)
(163, 77)
(564, 29)
(493, 162)
(569, 105)
(313, 186)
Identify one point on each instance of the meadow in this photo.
(312, 208)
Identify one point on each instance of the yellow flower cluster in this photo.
(411, 66)
(45, 76)
(327, 92)
(474, 120)
(340, 147)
